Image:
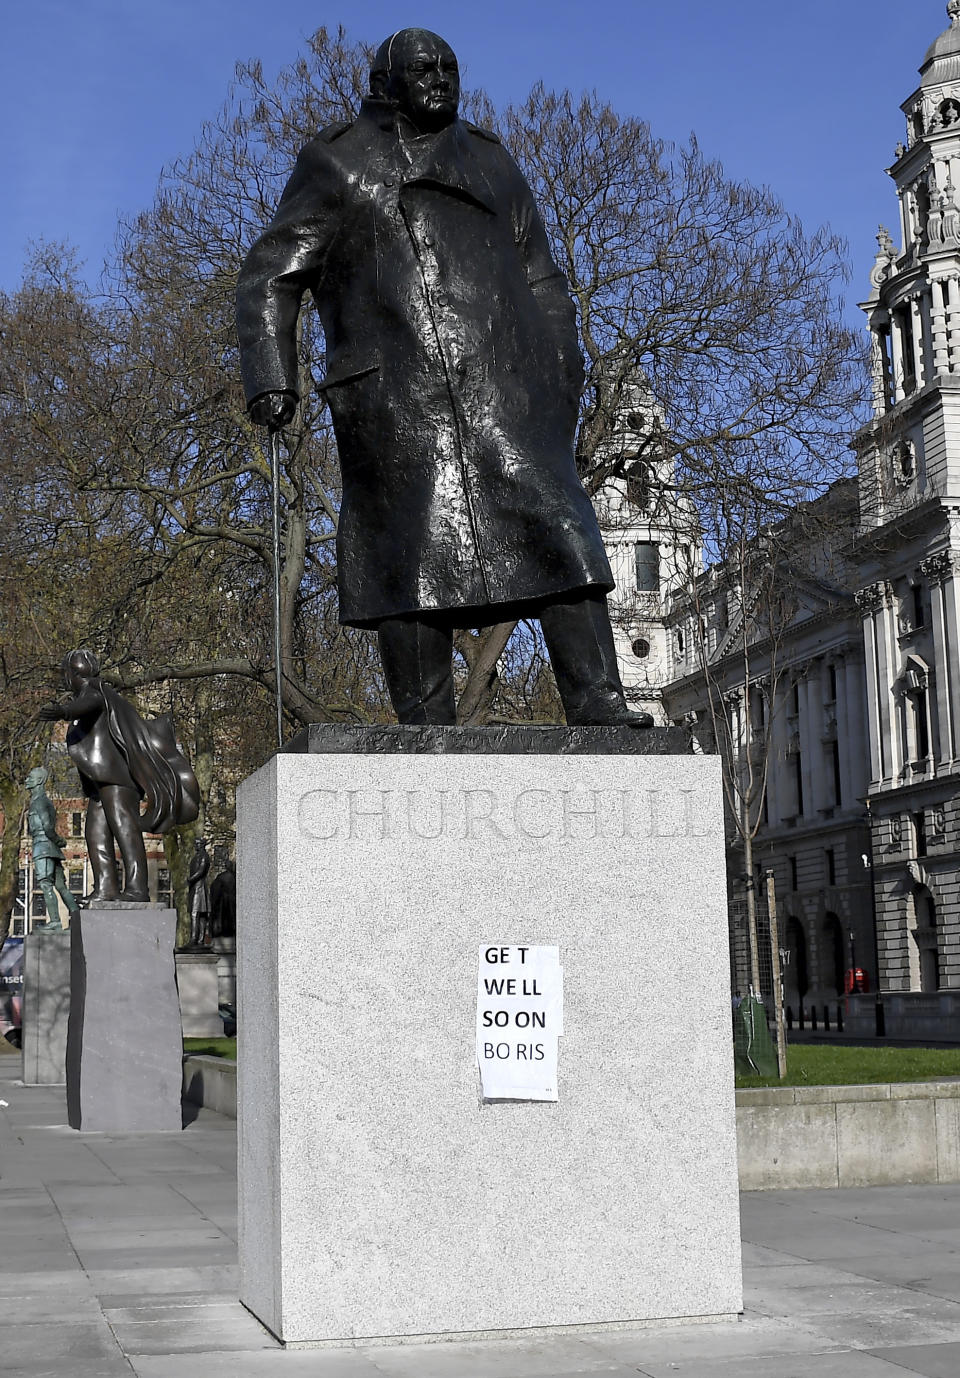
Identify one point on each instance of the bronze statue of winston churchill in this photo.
(453, 374)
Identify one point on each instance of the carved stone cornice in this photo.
(873, 597)
(939, 567)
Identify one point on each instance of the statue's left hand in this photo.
(50, 712)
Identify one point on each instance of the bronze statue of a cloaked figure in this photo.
(122, 759)
(453, 374)
(46, 848)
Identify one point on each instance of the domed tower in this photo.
(652, 540)
(909, 543)
(914, 305)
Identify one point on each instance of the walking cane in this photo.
(275, 506)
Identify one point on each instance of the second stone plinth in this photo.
(124, 1046)
(46, 1006)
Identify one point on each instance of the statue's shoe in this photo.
(134, 896)
(604, 713)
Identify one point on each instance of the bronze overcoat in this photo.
(453, 369)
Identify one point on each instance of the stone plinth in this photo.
(226, 950)
(199, 988)
(46, 1006)
(124, 1046)
(380, 1195)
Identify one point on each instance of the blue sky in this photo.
(96, 95)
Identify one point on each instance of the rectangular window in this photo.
(798, 782)
(831, 866)
(832, 675)
(75, 880)
(164, 889)
(837, 782)
(923, 736)
(919, 617)
(793, 872)
(76, 825)
(647, 554)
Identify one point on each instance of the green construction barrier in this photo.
(754, 1053)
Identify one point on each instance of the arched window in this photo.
(927, 938)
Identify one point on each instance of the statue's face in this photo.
(36, 777)
(424, 80)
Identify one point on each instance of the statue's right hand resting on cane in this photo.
(273, 409)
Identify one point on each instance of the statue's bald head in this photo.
(416, 71)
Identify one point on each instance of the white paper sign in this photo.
(519, 1019)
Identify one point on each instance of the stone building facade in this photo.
(908, 547)
(856, 710)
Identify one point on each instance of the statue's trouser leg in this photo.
(584, 658)
(417, 664)
(100, 850)
(69, 899)
(50, 900)
(122, 808)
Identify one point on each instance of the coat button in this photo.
(388, 181)
(429, 240)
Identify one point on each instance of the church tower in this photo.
(652, 541)
(909, 544)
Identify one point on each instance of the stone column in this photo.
(896, 359)
(952, 287)
(842, 713)
(945, 599)
(809, 742)
(918, 321)
(855, 747)
(941, 355)
(870, 601)
(878, 370)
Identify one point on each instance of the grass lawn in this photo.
(211, 1047)
(819, 1064)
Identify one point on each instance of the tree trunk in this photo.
(481, 682)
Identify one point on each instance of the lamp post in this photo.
(853, 960)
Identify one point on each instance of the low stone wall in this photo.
(211, 1081)
(907, 1014)
(849, 1136)
(788, 1137)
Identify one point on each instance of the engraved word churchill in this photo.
(580, 814)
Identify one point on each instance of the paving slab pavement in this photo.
(118, 1258)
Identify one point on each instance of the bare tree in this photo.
(129, 400)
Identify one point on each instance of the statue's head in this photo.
(77, 667)
(37, 778)
(416, 71)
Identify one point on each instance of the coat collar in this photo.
(445, 160)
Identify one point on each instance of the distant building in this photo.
(860, 721)
(909, 545)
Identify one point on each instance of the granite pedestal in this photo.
(46, 1006)
(199, 987)
(380, 1194)
(124, 1046)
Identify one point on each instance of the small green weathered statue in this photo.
(47, 848)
